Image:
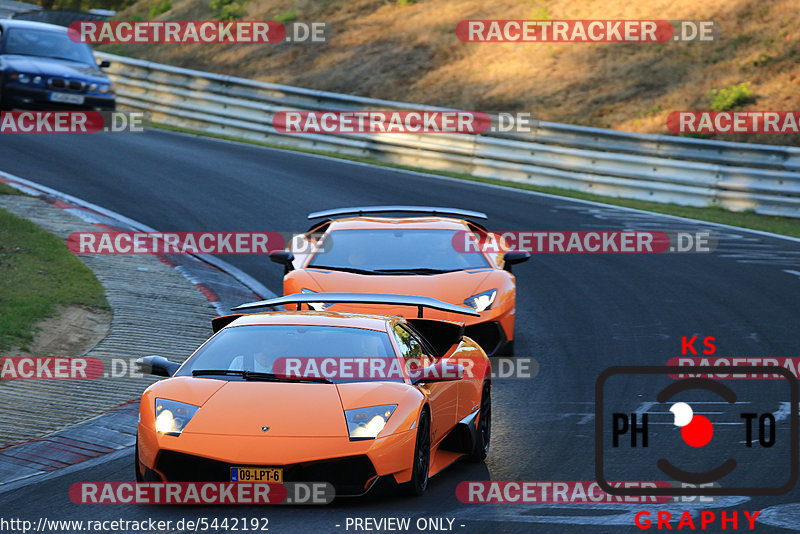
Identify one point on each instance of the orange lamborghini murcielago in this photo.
(232, 412)
(356, 249)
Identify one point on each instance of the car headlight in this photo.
(93, 87)
(366, 423)
(106, 87)
(21, 77)
(481, 301)
(317, 306)
(173, 416)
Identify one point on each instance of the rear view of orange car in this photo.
(359, 251)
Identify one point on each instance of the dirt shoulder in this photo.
(72, 331)
(38, 273)
(154, 309)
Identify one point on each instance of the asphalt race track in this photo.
(576, 314)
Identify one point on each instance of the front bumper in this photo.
(37, 98)
(351, 467)
(350, 476)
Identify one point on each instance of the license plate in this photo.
(256, 474)
(66, 98)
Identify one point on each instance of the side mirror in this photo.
(512, 258)
(104, 64)
(157, 365)
(441, 371)
(283, 257)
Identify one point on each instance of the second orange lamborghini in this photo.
(359, 251)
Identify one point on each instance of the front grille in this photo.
(70, 85)
(179, 467)
(349, 476)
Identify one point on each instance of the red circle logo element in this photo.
(698, 432)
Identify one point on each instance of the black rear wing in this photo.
(368, 210)
(218, 323)
(361, 298)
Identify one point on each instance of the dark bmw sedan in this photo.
(41, 68)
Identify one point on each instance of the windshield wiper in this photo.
(254, 375)
(320, 379)
(345, 269)
(247, 375)
(420, 270)
(201, 372)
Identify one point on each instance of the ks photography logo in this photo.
(740, 440)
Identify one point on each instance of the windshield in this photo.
(43, 43)
(285, 352)
(395, 251)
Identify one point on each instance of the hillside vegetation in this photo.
(406, 50)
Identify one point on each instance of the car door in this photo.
(443, 396)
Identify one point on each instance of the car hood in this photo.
(287, 409)
(284, 409)
(52, 67)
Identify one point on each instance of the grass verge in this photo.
(37, 274)
(8, 190)
(746, 219)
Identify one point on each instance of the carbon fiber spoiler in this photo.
(361, 298)
(365, 210)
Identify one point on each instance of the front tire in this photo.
(422, 456)
(480, 449)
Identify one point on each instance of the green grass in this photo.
(37, 274)
(746, 219)
(8, 190)
(159, 8)
(539, 13)
(288, 16)
(730, 97)
(228, 9)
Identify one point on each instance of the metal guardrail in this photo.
(685, 171)
(58, 17)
